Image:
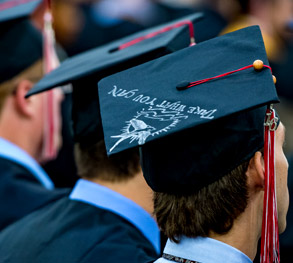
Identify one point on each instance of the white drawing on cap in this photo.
(137, 129)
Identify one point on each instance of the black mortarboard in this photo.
(86, 69)
(20, 41)
(192, 136)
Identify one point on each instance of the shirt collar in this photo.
(205, 250)
(105, 198)
(13, 153)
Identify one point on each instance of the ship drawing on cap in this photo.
(150, 122)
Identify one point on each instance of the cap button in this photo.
(183, 85)
(258, 64)
(274, 79)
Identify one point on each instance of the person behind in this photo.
(24, 186)
(203, 148)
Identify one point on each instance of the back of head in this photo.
(210, 210)
(93, 163)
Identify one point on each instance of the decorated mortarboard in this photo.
(153, 100)
(86, 69)
(20, 41)
(197, 114)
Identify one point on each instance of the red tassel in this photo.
(270, 231)
(51, 139)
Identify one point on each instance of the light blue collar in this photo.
(105, 198)
(205, 250)
(13, 153)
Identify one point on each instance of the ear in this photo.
(255, 172)
(23, 106)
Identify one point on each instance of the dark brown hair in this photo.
(212, 209)
(92, 162)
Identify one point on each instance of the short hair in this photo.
(93, 162)
(33, 73)
(212, 209)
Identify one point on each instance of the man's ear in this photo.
(255, 171)
(23, 106)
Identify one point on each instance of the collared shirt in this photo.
(204, 250)
(13, 153)
(105, 198)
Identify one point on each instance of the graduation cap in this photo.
(86, 69)
(201, 131)
(197, 114)
(20, 41)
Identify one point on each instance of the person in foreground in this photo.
(211, 144)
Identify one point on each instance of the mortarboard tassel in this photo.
(270, 230)
(51, 98)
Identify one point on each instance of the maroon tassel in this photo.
(270, 231)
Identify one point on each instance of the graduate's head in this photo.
(21, 66)
(213, 209)
(198, 117)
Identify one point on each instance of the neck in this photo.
(246, 230)
(135, 189)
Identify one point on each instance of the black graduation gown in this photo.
(21, 193)
(71, 231)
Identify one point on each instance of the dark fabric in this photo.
(190, 138)
(72, 231)
(189, 160)
(20, 47)
(21, 193)
(62, 170)
(86, 119)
